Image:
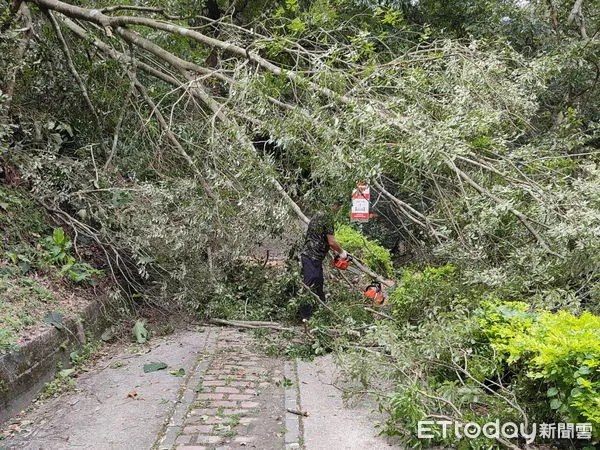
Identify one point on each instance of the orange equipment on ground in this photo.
(375, 292)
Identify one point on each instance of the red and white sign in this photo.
(360, 203)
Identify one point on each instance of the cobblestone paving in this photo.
(237, 400)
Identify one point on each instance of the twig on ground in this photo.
(297, 412)
(379, 313)
(249, 324)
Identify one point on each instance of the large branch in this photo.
(118, 22)
(196, 90)
(148, 9)
(576, 16)
(111, 52)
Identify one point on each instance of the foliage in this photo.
(426, 294)
(374, 255)
(58, 246)
(502, 322)
(561, 350)
(480, 361)
(475, 124)
(140, 333)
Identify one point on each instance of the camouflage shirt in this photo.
(315, 244)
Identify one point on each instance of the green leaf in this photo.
(296, 26)
(154, 366)
(552, 392)
(178, 373)
(24, 266)
(55, 319)
(555, 403)
(584, 370)
(140, 333)
(65, 373)
(58, 235)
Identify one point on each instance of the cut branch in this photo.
(250, 324)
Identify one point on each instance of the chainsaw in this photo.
(344, 264)
(355, 265)
(375, 291)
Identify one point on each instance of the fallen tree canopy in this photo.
(445, 132)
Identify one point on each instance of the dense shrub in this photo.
(424, 294)
(374, 255)
(558, 349)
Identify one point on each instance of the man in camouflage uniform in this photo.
(319, 239)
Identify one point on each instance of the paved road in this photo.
(332, 424)
(231, 396)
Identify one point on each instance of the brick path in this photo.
(234, 398)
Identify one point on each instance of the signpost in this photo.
(360, 203)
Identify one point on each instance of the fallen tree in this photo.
(440, 160)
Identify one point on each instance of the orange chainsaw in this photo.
(344, 264)
(374, 291)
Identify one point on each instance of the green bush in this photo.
(501, 322)
(374, 255)
(564, 352)
(425, 294)
(558, 349)
(57, 252)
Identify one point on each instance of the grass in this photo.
(24, 301)
(32, 277)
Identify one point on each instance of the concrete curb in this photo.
(293, 422)
(24, 371)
